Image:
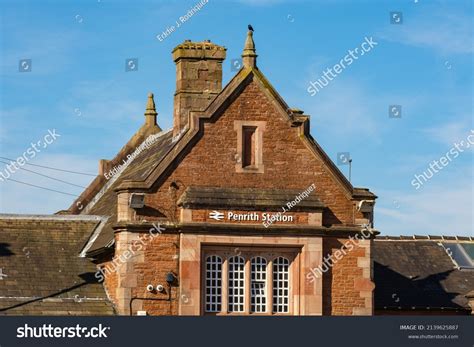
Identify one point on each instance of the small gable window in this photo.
(249, 157)
(248, 146)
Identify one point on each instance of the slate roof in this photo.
(40, 270)
(418, 274)
(106, 199)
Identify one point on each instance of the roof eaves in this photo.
(93, 237)
(115, 177)
(61, 217)
(437, 238)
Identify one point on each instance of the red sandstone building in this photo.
(236, 210)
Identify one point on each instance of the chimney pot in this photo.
(104, 165)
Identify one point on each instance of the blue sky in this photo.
(78, 85)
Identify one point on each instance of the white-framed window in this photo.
(236, 292)
(281, 285)
(249, 280)
(213, 288)
(258, 285)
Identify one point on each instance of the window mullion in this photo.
(247, 282)
(225, 286)
(270, 287)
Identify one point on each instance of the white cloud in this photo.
(347, 108)
(440, 29)
(353, 115)
(102, 102)
(451, 132)
(444, 208)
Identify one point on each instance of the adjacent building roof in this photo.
(419, 274)
(41, 272)
(105, 202)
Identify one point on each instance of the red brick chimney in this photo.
(198, 78)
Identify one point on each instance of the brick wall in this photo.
(149, 261)
(347, 288)
(289, 164)
(161, 257)
(110, 284)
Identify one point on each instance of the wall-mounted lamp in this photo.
(137, 200)
(170, 278)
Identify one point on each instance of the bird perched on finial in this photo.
(250, 27)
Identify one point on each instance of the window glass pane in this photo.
(458, 254)
(213, 283)
(281, 285)
(258, 270)
(469, 248)
(236, 284)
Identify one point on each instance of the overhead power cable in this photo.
(33, 185)
(53, 168)
(52, 178)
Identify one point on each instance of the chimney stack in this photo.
(198, 79)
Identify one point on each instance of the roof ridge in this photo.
(425, 238)
(52, 216)
(112, 180)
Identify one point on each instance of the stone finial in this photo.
(249, 55)
(150, 112)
